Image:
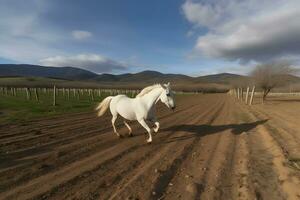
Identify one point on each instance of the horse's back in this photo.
(123, 105)
(116, 99)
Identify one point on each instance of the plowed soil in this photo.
(210, 147)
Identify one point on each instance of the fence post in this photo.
(28, 93)
(92, 94)
(36, 94)
(242, 92)
(78, 94)
(238, 93)
(54, 96)
(247, 93)
(89, 93)
(252, 94)
(15, 92)
(68, 93)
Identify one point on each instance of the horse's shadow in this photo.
(204, 129)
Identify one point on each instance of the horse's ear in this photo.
(166, 85)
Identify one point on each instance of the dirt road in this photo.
(211, 147)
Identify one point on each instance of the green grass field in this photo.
(18, 108)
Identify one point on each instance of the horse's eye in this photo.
(168, 94)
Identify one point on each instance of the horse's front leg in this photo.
(156, 128)
(153, 119)
(145, 125)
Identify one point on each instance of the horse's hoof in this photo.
(120, 136)
(130, 135)
(149, 141)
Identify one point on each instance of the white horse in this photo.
(140, 108)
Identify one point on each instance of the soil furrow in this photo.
(115, 177)
(271, 176)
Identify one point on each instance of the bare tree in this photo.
(271, 75)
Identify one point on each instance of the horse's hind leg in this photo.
(144, 124)
(113, 120)
(129, 128)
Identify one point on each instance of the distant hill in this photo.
(24, 70)
(291, 78)
(24, 75)
(223, 78)
(144, 76)
(72, 73)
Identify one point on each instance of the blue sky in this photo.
(173, 36)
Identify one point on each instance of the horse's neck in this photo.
(151, 98)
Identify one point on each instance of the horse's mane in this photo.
(148, 89)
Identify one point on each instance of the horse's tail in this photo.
(103, 106)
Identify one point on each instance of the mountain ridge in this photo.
(26, 70)
(147, 76)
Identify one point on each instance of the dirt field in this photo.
(211, 147)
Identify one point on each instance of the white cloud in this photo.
(23, 37)
(246, 30)
(190, 33)
(81, 34)
(199, 14)
(94, 62)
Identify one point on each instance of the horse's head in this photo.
(167, 96)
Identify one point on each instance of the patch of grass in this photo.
(18, 108)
